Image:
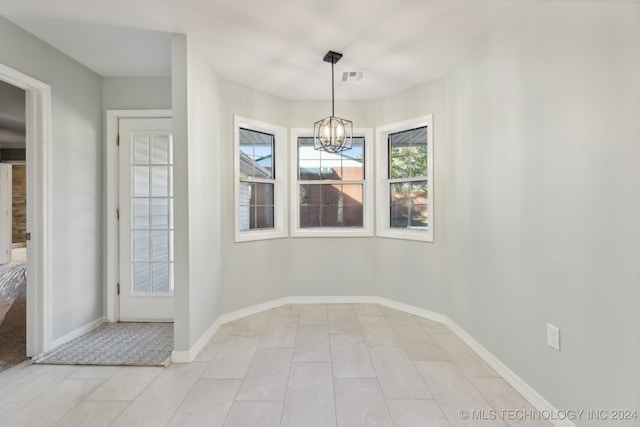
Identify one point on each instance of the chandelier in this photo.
(332, 133)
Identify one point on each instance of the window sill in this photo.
(331, 232)
(251, 236)
(419, 236)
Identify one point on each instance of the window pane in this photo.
(244, 197)
(408, 153)
(256, 206)
(263, 217)
(318, 164)
(419, 163)
(256, 154)
(408, 204)
(327, 205)
(400, 204)
(399, 215)
(261, 194)
(418, 216)
(419, 192)
(309, 216)
(352, 216)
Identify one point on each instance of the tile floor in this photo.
(294, 366)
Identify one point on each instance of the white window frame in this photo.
(383, 228)
(367, 229)
(279, 188)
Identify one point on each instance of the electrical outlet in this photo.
(553, 336)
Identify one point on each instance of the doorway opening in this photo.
(33, 231)
(13, 226)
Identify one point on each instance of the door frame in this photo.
(6, 198)
(39, 208)
(112, 268)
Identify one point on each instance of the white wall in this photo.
(132, 93)
(77, 174)
(416, 273)
(253, 272)
(197, 192)
(543, 223)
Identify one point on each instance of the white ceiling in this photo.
(273, 46)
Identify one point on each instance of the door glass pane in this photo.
(140, 181)
(160, 246)
(160, 181)
(152, 214)
(141, 279)
(159, 149)
(141, 149)
(159, 213)
(160, 274)
(141, 246)
(141, 213)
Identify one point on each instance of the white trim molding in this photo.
(538, 402)
(279, 180)
(367, 229)
(383, 211)
(190, 355)
(79, 332)
(111, 202)
(39, 207)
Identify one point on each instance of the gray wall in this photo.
(253, 272)
(132, 93)
(196, 97)
(543, 220)
(77, 174)
(412, 272)
(359, 266)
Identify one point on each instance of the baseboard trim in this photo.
(188, 356)
(332, 300)
(78, 332)
(538, 402)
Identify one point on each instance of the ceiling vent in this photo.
(353, 76)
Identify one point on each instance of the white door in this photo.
(6, 213)
(146, 219)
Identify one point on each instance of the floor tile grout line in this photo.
(175, 410)
(386, 404)
(120, 414)
(333, 375)
(286, 389)
(435, 398)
